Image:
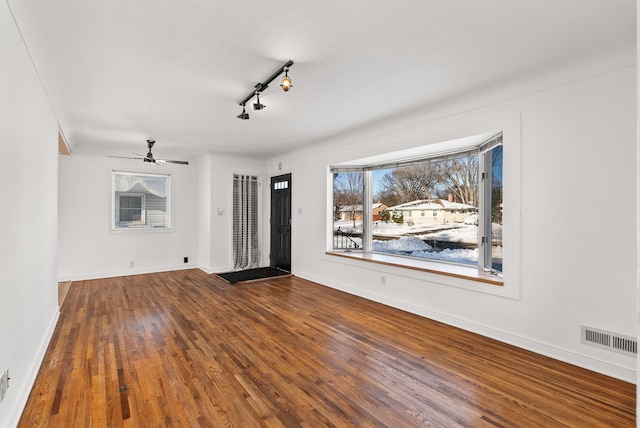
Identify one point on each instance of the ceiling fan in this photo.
(149, 157)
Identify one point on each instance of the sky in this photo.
(377, 176)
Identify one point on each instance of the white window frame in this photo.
(427, 138)
(142, 226)
(483, 151)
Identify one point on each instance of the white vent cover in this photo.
(608, 340)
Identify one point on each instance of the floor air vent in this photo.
(609, 340)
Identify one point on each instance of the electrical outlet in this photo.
(186, 259)
(383, 280)
(132, 264)
(4, 384)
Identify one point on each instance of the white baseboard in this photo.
(218, 269)
(25, 387)
(127, 272)
(206, 269)
(590, 363)
(141, 271)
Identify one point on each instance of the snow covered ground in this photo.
(410, 240)
(414, 246)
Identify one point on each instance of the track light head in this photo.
(258, 105)
(244, 115)
(286, 81)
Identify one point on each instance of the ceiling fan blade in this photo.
(179, 162)
(124, 157)
(148, 158)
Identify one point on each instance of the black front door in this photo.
(281, 222)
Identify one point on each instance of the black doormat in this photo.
(252, 274)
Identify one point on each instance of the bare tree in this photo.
(455, 177)
(459, 177)
(406, 184)
(348, 191)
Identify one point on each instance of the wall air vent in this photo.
(608, 340)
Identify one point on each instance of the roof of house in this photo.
(349, 208)
(136, 184)
(431, 204)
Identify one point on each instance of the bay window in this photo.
(444, 206)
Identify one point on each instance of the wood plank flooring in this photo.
(186, 349)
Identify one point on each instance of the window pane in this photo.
(447, 207)
(432, 210)
(496, 208)
(348, 197)
(141, 201)
(130, 208)
(134, 202)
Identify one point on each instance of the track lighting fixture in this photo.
(260, 87)
(258, 105)
(244, 115)
(286, 81)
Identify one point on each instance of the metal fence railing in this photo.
(345, 240)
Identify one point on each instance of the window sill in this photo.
(457, 271)
(141, 230)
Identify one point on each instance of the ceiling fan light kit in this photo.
(260, 87)
(148, 158)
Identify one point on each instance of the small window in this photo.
(281, 185)
(129, 208)
(140, 201)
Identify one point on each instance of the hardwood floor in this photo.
(187, 349)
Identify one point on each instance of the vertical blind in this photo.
(246, 248)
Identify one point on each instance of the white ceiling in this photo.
(118, 72)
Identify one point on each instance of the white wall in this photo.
(28, 284)
(89, 249)
(573, 194)
(204, 212)
(216, 235)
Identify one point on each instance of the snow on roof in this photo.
(137, 184)
(455, 205)
(431, 204)
(348, 208)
